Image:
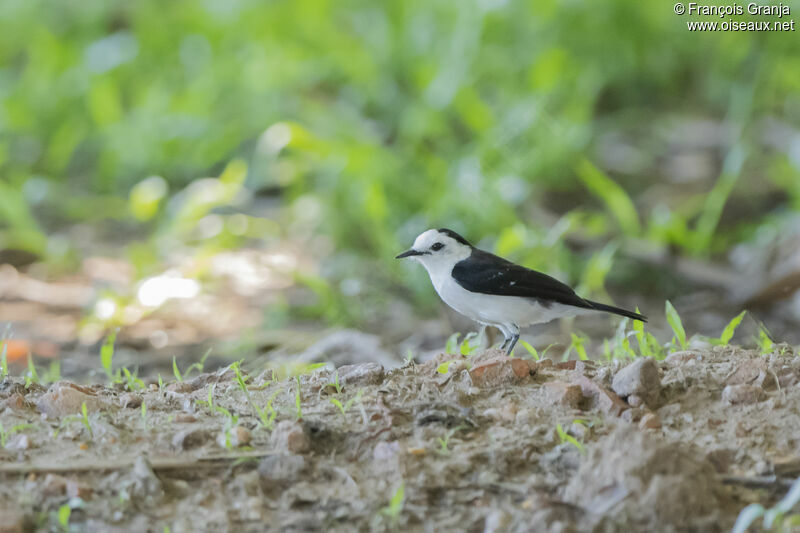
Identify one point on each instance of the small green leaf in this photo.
(730, 329)
(675, 323)
(107, 353)
(444, 368)
(175, 371)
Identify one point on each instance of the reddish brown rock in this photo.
(499, 370)
(735, 394)
(76, 489)
(639, 378)
(601, 398)
(566, 394)
(290, 436)
(63, 399)
(566, 365)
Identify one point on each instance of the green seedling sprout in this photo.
(64, 513)
(132, 381)
(4, 353)
(648, 344)
(444, 368)
(4, 435)
(730, 329)
(107, 355)
(299, 414)
(467, 347)
(444, 441)
(346, 407)
(409, 356)
(160, 382)
(85, 418)
(335, 383)
(451, 346)
(267, 415)
(395, 506)
(53, 373)
(566, 437)
(674, 320)
(577, 344)
(199, 366)
(530, 349)
(31, 376)
(774, 519)
(175, 371)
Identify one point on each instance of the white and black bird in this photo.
(494, 291)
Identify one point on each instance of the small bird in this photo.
(494, 291)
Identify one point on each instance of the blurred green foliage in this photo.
(375, 121)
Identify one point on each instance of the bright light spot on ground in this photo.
(156, 290)
(105, 308)
(275, 138)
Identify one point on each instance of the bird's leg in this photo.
(512, 340)
(506, 336)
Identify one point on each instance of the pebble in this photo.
(238, 436)
(634, 400)
(650, 421)
(15, 402)
(639, 378)
(76, 489)
(566, 394)
(681, 358)
(602, 398)
(54, 485)
(734, 394)
(63, 399)
(632, 415)
(499, 370)
(184, 418)
(751, 372)
(280, 468)
(190, 438)
(362, 374)
(19, 442)
(290, 436)
(180, 387)
(130, 400)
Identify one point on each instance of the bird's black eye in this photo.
(437, 246)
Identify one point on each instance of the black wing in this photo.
(488, 274)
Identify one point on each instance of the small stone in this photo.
(130, 400)
(290, 436)
(143, 485)
(544, 363)
(601, 398)
(237, 436)
(54, 485)
(363, 374)
(506, 412)
(76, 489)
(566, 365)
(587, 368)
(634, 400)
(280, 469)
(751, 372)
(499, 371)
(184, 418)
(680, 358)
(566, 394)
(640, 378)
(633, 415)
(19, 442)
(650, 421)
(190, 438)
(181, 387)
(153, 387)
(15, 402)
(64, 399)
(734, 394)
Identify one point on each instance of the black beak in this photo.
(409, 253)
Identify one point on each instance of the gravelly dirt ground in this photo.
(682, 445)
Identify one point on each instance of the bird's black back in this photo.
(487, 273)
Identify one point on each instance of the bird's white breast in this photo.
(494, 309)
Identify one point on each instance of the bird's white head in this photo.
(439, 249)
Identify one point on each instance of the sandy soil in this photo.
(676, 445)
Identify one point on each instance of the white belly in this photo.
(493, 310)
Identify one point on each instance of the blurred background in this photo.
(238, 175)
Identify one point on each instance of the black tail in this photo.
(617, 311)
